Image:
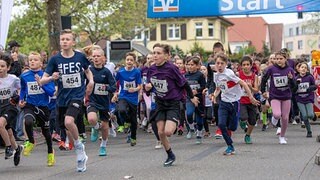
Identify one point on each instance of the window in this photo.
(290, 32)
(300, 44)
(174, 31)
(289, 46)
(223, 34)
(210, 30)
(199, 30)
(141, 33)
(297, 31)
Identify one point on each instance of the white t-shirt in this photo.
(8, 86)
(111, 67)
(228, 83)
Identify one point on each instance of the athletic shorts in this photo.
(39, 114)
(103, 114)
(168, 110)
(248, 112)
(74, 109)
(10, 113)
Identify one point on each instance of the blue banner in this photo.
(202, 8)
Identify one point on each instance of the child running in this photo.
(99, 99)
(281, 82)
(247, 109)
(9, 87)
(229, 86)
(168, 84)
(69, 67)
(34, 100)
(305, 95)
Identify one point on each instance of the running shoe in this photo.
(247, 139)
(82, 158)
(112, 132)
(282, 140)
(51, 161)
(102, 151)
(309, 134)
(62, 146)
(94, 134)
(264, 127)
(243, 125)
(218, 134)
(133, 142)
(158, 145)
(9, 153)
(120, 129)
(16, 157)
(169, 160)
(28, 149)
(274, 121)
(229, 151)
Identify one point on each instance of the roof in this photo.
(275, 33)
(248, 29)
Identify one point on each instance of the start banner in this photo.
(202, 8)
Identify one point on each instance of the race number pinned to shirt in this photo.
(71, 80)
(280, 81)
(160, 85)
(128, 84)
(34, 88)
(5, 93)
(223, 86)
(303, 87)
(195, 86)
(100, 89)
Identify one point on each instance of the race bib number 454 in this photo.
(71, 80)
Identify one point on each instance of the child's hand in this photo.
(290, 76)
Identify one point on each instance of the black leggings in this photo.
(128, 112)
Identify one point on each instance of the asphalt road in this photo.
(264, 159)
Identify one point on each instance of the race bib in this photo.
(34, 88)
(153, 97)
(71, 80)
(100, 89)
(144, 79)
(5, 93)
(280, 81)
(127, 85)
(195, 86)
(160, 85)
(303, 87)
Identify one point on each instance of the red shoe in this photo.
(218, 134)
(62, 146)
(230, 133)
(70, 147)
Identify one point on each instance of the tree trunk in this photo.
(54, 24)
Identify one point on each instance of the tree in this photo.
(313, 25)
(265, 50)
(100, 18)
(242, 52)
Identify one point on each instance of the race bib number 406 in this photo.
(5, 93)
(71, 80)
(34, 88)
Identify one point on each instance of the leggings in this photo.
(281, 109)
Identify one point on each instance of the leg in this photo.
(4, 132)
(285, 108)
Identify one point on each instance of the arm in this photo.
(90, 84)
(49, 88)
(248, 91)
(255, 88)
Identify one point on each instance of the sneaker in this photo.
(180, 130)
(55, 137)
(51, 161)
(274, 121)
(247, 139)
(102, 151)
(229, 151)
(81, 157)
(198, 140)
(264, 127)
(133, 142)
(94, 135)
(309, 134)
(158, 145)
(278, 131)
(28, 149)
(112, 132)
(218, 134)
(83, 136)
(169, 160)
(62, 146)
(9, 152)
(16, 157)
(127, 125)
(82, 164)
(120, 129)
(69, 146)
(189, 135)
(243, 125)
(294, 122)
(282, 140)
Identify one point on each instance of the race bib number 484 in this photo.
(71, 80)
(100, 89)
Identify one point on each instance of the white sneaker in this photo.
(278, 131)
(82, 164)
(158, 145)
(274, 121)
(282, 140)
(112, 132)
(82, 158)
(189, 135)
(144, 122)
(199, 133)
(294, 122)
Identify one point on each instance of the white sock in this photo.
(103, 143)
(97, 126)
(191, 127)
